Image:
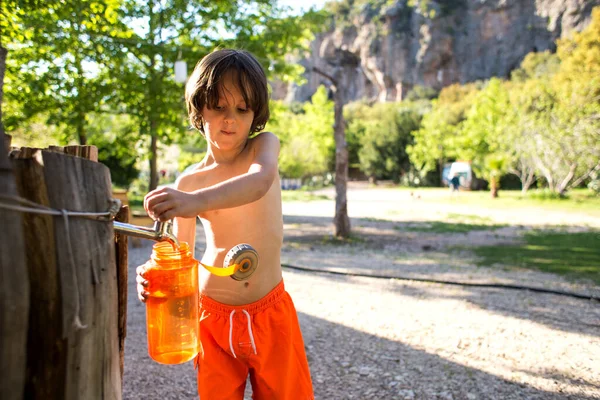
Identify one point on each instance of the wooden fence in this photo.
(63, 278)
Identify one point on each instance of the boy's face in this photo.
(228, 125)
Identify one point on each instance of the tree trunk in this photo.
(153, 155)
(494, 187)
(341, 220)
(527, 181)
(3, 53)
(152, 92)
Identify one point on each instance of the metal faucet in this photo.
(162, 231)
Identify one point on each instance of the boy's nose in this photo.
(229, 117)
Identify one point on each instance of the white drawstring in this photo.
(249, 332)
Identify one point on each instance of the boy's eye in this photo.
(242, 109)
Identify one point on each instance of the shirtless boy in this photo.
(247, 327)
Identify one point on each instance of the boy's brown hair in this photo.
(205, 84)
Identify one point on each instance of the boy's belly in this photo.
(259, 224)
(230, 291)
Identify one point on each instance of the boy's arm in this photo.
(185, 231)
(248, 187)
(166, 203)
(185, 228)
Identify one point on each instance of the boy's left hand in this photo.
(166, 203)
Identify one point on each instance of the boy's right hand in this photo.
(142, 283)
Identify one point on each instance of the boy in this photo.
(251, 326)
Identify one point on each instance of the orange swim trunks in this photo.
(262, 339)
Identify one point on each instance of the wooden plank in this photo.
(76, 184)
(87, 152)
(14, 292)
(46, 349)
(24, 152)
(122, 262)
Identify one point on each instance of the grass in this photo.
(575, 255)
(578, 200)
(301, 195)
(469, 218)
(446, 227)
(453, 223)
(332, 240)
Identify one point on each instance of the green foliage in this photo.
(307, 143)
(187, 158)
(71, 58)
(58, 65)
(542, 123)
(483, 133)
(383, 130)
(422, 93)
(35, 131)
(437, 140)
(118, 146)
(594, 184)
(536, 66)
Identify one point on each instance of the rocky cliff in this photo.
(396, 46)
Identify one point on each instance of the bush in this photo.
(117, 139)
(545, 194)
(383, 131)
(594, 184)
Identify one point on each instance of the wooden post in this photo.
(88, 276)
(14, 291)
(74, 280)
(122, 261)
(44, 339)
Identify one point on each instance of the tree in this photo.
(437, 141)
(306, 137)
(559, 112)
(58, 64)
(342, 62)
(192, 29)
(131, 69)
(117, 139)
(527, 83)
(483, 135)
(384, 131)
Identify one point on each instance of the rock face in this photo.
(451, 41)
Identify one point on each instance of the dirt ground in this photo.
(369, 338)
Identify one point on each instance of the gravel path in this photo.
(372, 338)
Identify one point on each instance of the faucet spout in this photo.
(162, 231)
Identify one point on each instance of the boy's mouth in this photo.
(227, 132)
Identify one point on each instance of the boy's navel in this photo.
(246, 284)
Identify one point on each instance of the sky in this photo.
(300, 5)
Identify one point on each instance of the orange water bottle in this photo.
(172, 304)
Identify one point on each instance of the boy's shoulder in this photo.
(263, 137)
(187, 181)
(263, 144)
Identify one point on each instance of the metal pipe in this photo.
(162, 231)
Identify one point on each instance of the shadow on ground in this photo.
(371, 367)
(386, 248)
(365, 366)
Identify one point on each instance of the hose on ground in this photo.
(444, 282)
